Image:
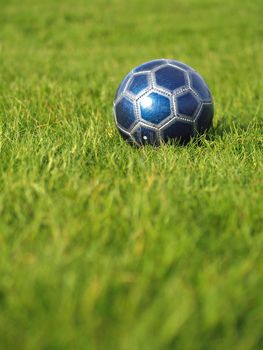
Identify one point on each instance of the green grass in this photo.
(104, 246)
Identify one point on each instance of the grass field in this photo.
(104, 246)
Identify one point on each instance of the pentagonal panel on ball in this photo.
(199, 86)
(125, 113)
(178, 130)
(187, 105)
(180, 64)
(144, 134)
(170, 78)
(138, 83)
(205, 118)
(149, 65)
(122, 86)
(154, 107)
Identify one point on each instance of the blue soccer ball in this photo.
(162, 100)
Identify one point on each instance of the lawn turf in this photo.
(105, 246)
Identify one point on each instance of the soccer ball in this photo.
(162, 100)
